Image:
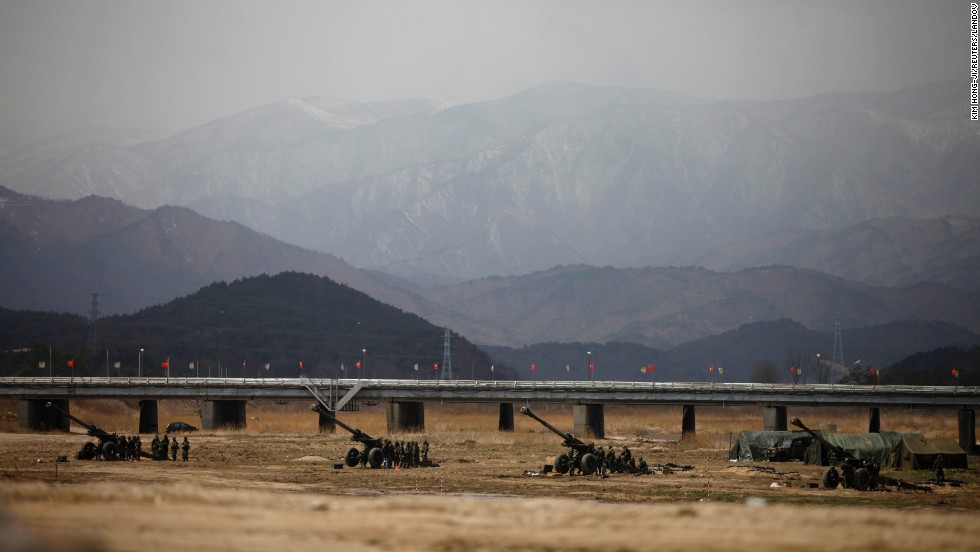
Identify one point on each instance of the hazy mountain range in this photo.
(561, 174)
(58, 252)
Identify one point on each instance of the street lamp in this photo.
(589, 366)
(140, 374)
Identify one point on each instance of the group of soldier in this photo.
(624, 463)
(159, 448)
(407, 454)
(129, 447)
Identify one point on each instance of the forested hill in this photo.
(279, 321)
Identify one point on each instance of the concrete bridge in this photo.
(224, 399)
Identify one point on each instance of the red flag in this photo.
(956, 373)
(532, 366)
(165, 364)
(792, 369)
(301, 365)
(650, 368)
(711, 368)
(243, 364)
(435, 366)
(358, 365)
(71, 363)
(591, 367)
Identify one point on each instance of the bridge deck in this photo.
(599, 392)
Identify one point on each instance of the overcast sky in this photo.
(172, 64)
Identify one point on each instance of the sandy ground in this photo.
(282, 492)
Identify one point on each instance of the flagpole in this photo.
(107, 363)
(168, 369)
(50, 374)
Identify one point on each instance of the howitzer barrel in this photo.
(92, 428)
(837, 450)
(567, 436)
(358, 434)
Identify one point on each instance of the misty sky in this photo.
(173, 64)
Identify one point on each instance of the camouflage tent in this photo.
(881, 447)
(918, 453)
(751, 445)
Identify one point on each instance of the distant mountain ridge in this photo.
(57, 253)
(667, 306)
(560, 174)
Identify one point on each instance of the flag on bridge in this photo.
(165, 364)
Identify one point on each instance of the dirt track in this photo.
(262, 492)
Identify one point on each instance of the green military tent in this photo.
(880, 447)
(918, 453)
(751, 445)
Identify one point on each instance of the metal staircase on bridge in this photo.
(345, 404)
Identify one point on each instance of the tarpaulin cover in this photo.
(751, 445)
(881, 447)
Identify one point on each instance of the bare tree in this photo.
(766, 372)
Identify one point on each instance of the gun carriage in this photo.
(371, 455)
(108, 447)
(580, 456)
(853, 472)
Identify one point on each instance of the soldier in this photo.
(164, 447)
(940, 466)
(600, 456)
(185, 447)
(416, 455)
(137, 448)
(425, 452)
(155, 447)
(173, 449)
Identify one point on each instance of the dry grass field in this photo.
(274, 485)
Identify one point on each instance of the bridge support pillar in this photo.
(33, 414)
(149, 420)
(874, 420)
(326, 424)
(506, 417)
(688, 421)
(968, 431)
(589, 421)
(222, 413)
(774, 418)
(408, 417)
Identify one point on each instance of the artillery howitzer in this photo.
(372, 454)
(855, 473)
(580, 456)
(108, 447)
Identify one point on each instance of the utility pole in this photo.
(93, 342)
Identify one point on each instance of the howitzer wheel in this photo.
(87, 452)
(352, 458)
(831, 479)
(374, 458)
(588, 463)
(861, 480)
(562, 463)
(109, 451)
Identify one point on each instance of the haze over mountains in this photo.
(560, 174)
(710, 217)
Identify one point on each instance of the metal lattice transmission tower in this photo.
(838, 356)
(447, 359)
